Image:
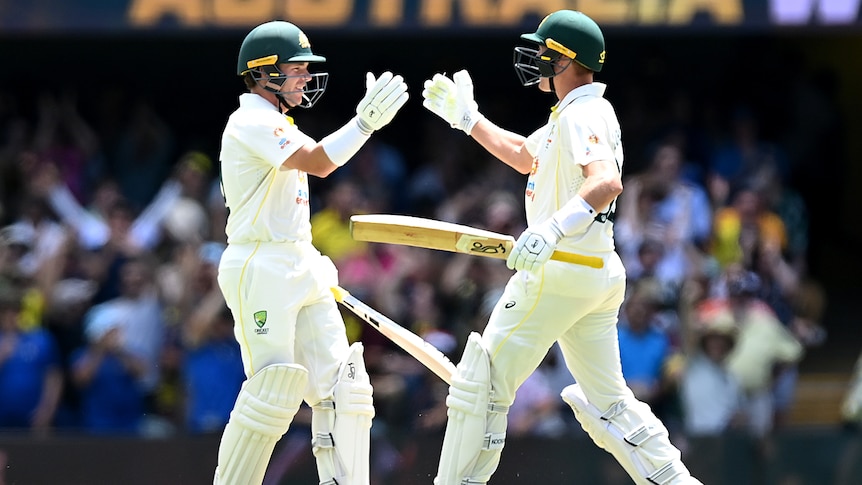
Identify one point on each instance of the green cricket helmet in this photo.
(273, 43)
(566, 33)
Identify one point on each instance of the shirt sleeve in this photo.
(532, 143)
(272, 138)
(589, 139)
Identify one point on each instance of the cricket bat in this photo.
(446, 236)
(430, 356)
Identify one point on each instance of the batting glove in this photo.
(452, 100)
(384, 96)
(535, 246)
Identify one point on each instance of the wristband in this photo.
(469, 120)
(343, 143)
(574, 217)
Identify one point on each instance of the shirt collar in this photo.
(593, 89)
(251, 100)
(256, 101)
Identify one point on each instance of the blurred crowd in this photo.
(111, 320)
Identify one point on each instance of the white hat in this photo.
(100, 320)
(19, 233)
(187, 221)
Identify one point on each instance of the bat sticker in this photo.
(478, 247)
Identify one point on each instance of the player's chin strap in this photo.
(283, 104)
(341, 426)
(476, 428)
(634, 436)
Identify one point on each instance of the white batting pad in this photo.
(467, 433)
(264, 409)
(341, 427)
(634, 436)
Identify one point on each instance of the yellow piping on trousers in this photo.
(241, 311)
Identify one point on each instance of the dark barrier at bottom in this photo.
(813, 457)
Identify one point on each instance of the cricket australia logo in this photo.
(260, 321)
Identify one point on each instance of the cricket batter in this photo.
(277, 285)
(574, 164)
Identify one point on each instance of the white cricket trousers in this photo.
(575, 305)
(283, 310)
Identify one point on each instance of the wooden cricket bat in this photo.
(430, 356)
(446, 236)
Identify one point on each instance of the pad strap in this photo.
(634, 436)
(341, 426)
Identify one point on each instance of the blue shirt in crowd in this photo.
(642, 354)
(113, 402)
(213, 375)
(22, 376)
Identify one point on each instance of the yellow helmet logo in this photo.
(303, 40)
(602, 58)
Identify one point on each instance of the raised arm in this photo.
(384, 96)
(452, 100)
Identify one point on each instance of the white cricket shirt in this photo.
(582, 128)
(266, 202)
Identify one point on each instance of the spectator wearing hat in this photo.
(764, 347)
(108, 377)
(711, 396)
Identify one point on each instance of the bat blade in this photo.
(445, 236)
(429, 233)
(428, 355)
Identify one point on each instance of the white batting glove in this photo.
(384, 96)
(452, 100)
(535, 246)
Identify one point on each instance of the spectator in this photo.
(110, 220)
(65, 140)
(142, 160)
(138, 312)
(69, 301)
(664, 208)
(740, 228)
(39, 233)
(212, 366)
(108, 377)
(711, 395)
(330, 226)
(644, 349)
(763, 348)
(381, 166)
(30, 373)
(737, 160)
(536, 410)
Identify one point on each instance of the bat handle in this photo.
(591, 261)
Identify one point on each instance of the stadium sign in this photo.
(359, 16)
